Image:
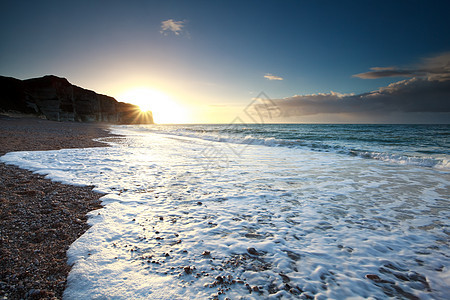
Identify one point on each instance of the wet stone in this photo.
(253, 251)
(285, 278)
(254, 236)
(373, 277)
(292, 255)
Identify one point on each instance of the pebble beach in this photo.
(40, 219)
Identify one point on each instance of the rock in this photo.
(285, 278)
(373, 277)
(292, 255)
(254, 236)
(32, 293)
(219, 279)
(206, 253)
(253, 251)
(56, 99)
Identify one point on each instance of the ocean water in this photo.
(260, 212)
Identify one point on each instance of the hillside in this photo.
(56, 99)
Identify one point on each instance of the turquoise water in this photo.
(419, 145)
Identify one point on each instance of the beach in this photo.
(278, 211)
(40, 219)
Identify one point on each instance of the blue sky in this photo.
(213, 55)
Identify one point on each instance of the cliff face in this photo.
(59, 100)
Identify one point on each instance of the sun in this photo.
(165, 110)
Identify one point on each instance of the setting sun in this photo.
(165, 110)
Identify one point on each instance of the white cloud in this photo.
(172, 26)
(272, 77)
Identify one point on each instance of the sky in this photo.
(209, 61)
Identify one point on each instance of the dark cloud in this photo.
(416, 95)
(385, 72)
(423, 98)
(436, 67)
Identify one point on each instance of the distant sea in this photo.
(418, 145)
(261, 211)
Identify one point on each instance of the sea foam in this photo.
(191, 218)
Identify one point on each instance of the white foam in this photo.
(324, 220)
(239, 135)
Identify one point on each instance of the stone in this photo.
(253, 251)
(373, 277)
(285, 278)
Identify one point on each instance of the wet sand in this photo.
(40, 219)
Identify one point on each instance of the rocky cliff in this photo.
(57, 99)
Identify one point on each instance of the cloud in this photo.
(423, 98)
(379, 72)
(411, 96)
(272, 77)
(172, 26)
(435, 67)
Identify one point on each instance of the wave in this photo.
(429, 162)
(325, 142)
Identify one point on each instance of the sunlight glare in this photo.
(165, 110)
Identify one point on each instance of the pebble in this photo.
(285, 278)
(253, 251)
(373, 277)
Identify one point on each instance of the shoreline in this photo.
(40, 219)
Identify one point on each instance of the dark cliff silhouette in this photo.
(56, 99)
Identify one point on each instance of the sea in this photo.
(260, 211)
